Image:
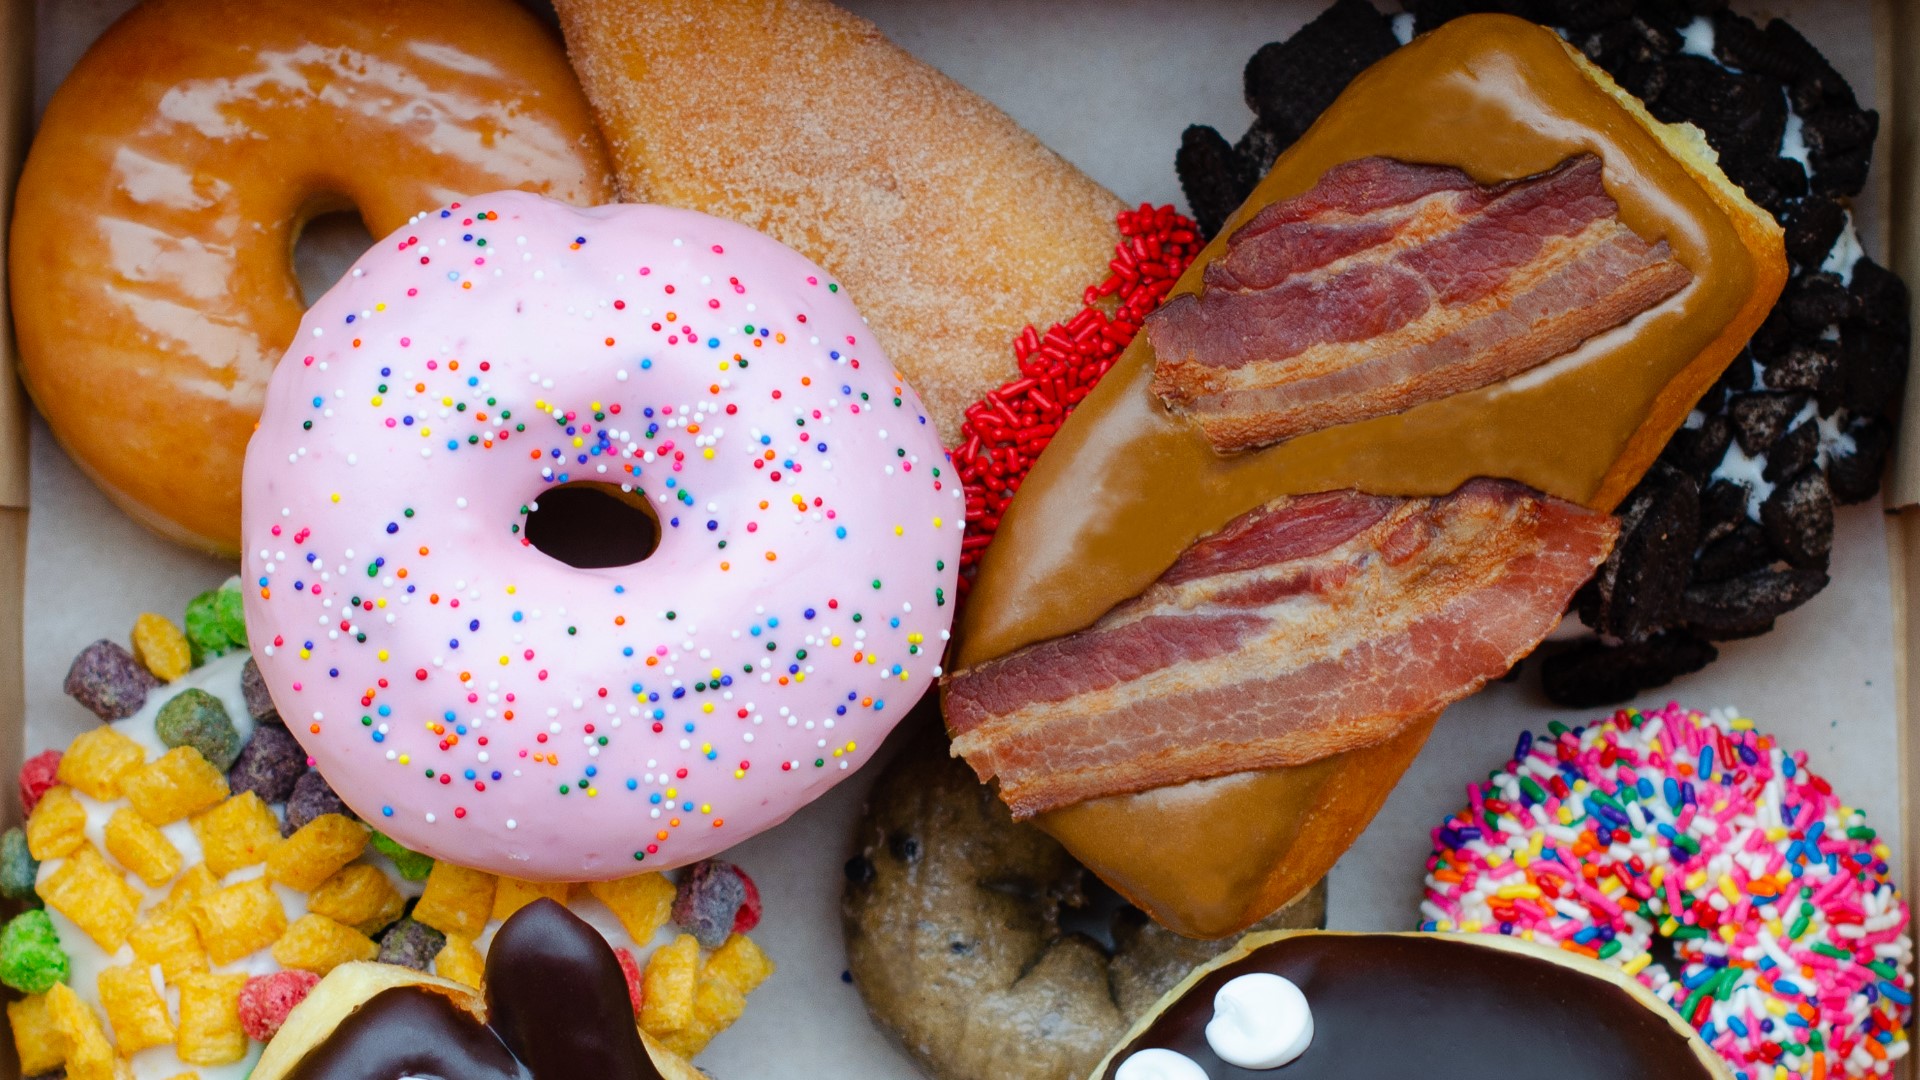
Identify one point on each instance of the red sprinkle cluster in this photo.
(1004, 433)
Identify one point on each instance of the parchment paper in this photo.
(1110, 86)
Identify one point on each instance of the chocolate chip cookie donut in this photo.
(1734, 526)
(974, 939)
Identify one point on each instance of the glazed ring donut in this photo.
(470, 675)
(153, 286)
(958, 926)
(1693, 836)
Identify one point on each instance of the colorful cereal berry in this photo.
(630, 968)
(196, 718)
(37, 774)
(708, 899)
(254, 689)
(270, 765)
(748, 916)
(412, 865)
(31, 959)
(312, 796)
(108, 680)
(18, 867)
(267, 999)
(411, 944)
(215, 626)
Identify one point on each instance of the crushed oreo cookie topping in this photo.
(1734, 526)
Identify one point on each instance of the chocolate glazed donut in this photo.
(557, 1006)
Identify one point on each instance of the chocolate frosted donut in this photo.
(1734, 526)
(972, 938)
(1389, 1005)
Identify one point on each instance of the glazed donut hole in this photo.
(592, 525)
(325, 245)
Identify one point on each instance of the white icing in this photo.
(1260, 1021)
(1158, 1064)
(1696, 39)
(1736, 467)
(1845, 254)
(1403, 27)
(1793, 142)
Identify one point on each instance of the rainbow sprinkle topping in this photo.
(1701, 858)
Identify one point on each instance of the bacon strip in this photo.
(1389, 285)
(1308, 627)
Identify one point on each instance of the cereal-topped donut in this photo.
(577, 540)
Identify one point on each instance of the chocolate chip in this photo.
(859, 870)
(1798, 519)
(1592, 674)
(270, 765)
(1214, 177)
(312, 797)
(1290, 83)
(1854, 475)
(254, 689)
(1792, 452)
(1759, 419)
(1812, 227)
(1747, 605)
(1741, 550)
(1647, 570)
(108, 680)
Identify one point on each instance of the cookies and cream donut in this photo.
(1676, 833)
(782, 532)
(154, 225)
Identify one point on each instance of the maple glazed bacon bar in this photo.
(1356, 466)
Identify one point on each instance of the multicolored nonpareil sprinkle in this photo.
(1681, 834)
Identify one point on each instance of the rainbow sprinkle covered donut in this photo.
(480, 699)
(1691, 835)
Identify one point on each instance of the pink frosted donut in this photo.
(483, 701)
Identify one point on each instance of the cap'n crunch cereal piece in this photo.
(237, 920)
(141, 848)
(161, 646)
(411, 944)
(134, 1008)
(108, 680)
(715, 1008)
(35, 1037)
(98, 761)
(748, 916)
(667, 993)
(361, 896)
(58, 825)
(512, 894)
(318, 850)
(93, 894)
(456, 900)
(739, 964)
(412, 865)
(254, 689)
(318, 944)
(37, 774)
(89, 1055)
(270, 765)
(641, 903)
(168, 938)
(175, 784)
(31, 959)
(267, 999)
(197, 882)
(707, 900)
(208, 634)
(460, 961)
(210, 1031)
(312, 797)
(238, 832)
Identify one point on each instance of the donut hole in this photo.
(325, 248)
(591, 525)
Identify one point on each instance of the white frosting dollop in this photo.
(1260, 1021)
(1158, 1064)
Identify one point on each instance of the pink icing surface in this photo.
(485, 703)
